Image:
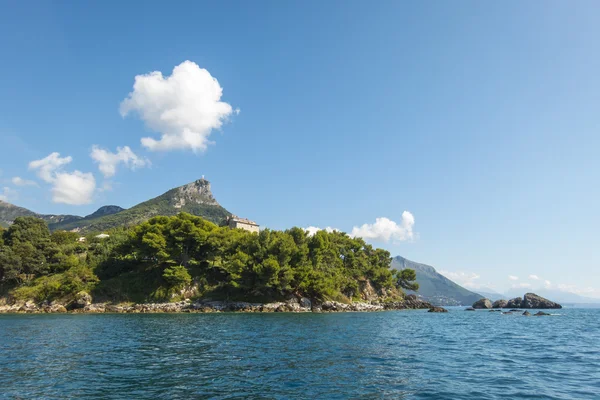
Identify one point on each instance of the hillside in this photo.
(195, 198)
(434, 287)
(8, 212)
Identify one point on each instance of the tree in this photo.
(177, 276)
(405, 279)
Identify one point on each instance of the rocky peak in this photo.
(197, 192)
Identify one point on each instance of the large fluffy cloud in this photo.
(108, 161)
(184, 107)
(384, 229)
(67, 187)
(73, 188)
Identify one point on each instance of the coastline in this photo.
(294, 305)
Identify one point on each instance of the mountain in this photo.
(8, 213)
(434, 287)
(195, 198)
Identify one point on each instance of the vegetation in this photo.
(167, 256)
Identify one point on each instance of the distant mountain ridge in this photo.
(434, 287)
(195, 198)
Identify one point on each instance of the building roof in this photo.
(243, 220)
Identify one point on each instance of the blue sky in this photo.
(480, 120)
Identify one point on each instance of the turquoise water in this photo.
(396, 354)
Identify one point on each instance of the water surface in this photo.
(395, 354)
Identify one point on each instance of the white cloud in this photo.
(465, 279)
(74, 188)
(521, 285)
(311, 230)
(547, 284)
(385, 229)
(8, 194)
(513, 278)
(18, 181)
(184, 107)
(46, 167)
(108, 161)
(534, 277)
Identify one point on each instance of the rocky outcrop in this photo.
(532, 300)
(437, 310)
(514, 303)
(82, 300)
(499, 304)
(482, 304)
(527, 314)
(469, 309)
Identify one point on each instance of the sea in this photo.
(379, 355)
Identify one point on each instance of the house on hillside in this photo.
(241, 223)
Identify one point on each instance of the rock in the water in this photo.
(469, 309)
(532, 300)
(507, 313)
(437, 309)
(540, 313)
(527, 313)
(514, 303)
(500, 304)
(482, 304)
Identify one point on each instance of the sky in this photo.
(464, 135)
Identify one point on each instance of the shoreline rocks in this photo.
(83, 305)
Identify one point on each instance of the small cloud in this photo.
(534, 277)
(74, 188)
(108, 161)
(513, 278)
(465, 279)
(46, 167)
(521, 285)
(384, 229)
(18, 181)
(311, 230)
(547, 284)
(184, 107)
(8, 194)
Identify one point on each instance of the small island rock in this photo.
(500, 304)
(482, 303)
(540, 313)
(437, 309)
(532, 300)
(514, 303)
(469, 309)
(527, 314)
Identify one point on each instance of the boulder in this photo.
(532, 300)
(469, 309)
(500, 304)
(527, 314)
(482, 304)
(305, 302)
(540, 313)
(82, 299)
(514, 303)
(437, 309)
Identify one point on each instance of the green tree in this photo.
(405, 279)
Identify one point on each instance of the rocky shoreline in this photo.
(84, 306)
